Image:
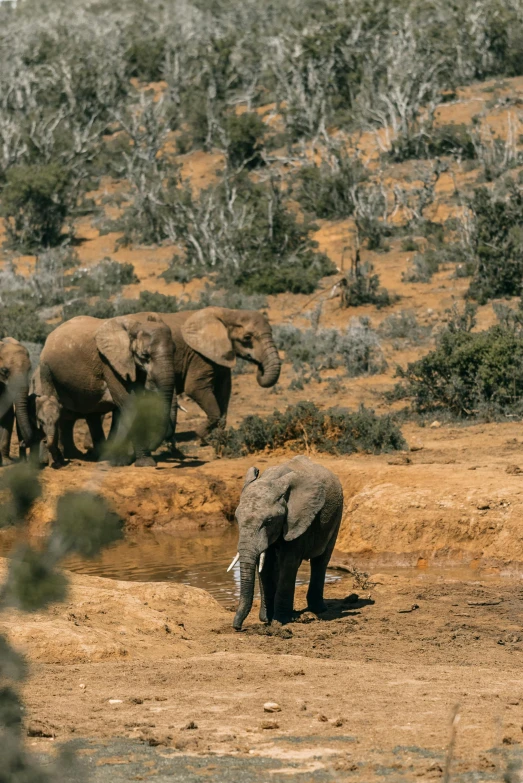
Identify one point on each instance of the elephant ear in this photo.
(205, 333)
(251, 475)
(306, 498)
(114, 343)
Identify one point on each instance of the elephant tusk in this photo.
(180, 406)
(262, 561)
(234, 561)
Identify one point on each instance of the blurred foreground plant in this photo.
(83, 524)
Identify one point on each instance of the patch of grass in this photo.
(21, 321)
(304, 427)
(403, 327)
(244, 135)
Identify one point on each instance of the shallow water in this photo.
(198, 560)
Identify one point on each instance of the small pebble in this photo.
(82, 686)
(271, 706)
(115, 701)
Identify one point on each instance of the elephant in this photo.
(45, 417)
(93, 365)
(289, 514)
(207, 343)
(15, 369)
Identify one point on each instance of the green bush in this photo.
(105, 278)
(357, 349)
(424, 265)
(244, 140)
(327, 189)
(362, 286)
(21, 321)
(304, 426)
(35, 201)
(468, 374)
(497, 243)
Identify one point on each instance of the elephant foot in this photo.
(145, 462)
(264, 618)
(5, 461)
(317, 607)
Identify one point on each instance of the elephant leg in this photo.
(200, 387)
(222, 391)
(6, 430)
(268, 580)
(319, 565)
(67, 437)
(96, 430)
(284, 598)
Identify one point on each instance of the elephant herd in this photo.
(90, 367)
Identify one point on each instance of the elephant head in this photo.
(47, 410)
(140, 351)
(279, 506)
(15, 368)
(221, 335)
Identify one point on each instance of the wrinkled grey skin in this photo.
(93, 365)
(207, 342)
(15, 368)
(292, 512)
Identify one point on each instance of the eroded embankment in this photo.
(457, 496)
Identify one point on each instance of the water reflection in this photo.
(200, 560)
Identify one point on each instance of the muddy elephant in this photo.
(289, 514)
(207, 344)
(15, 370)
(92, 366)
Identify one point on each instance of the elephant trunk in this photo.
(269, 369)
(22, 414)
(247, 574)
(163, 382)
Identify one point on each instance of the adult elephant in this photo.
(15, 369)
(292, 513)
(207, 344)
(92, 366)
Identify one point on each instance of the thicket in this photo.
(66, 95)
(469, 373)
(328, 189)
(244, 235)
(496, 242)
(357, 350)
(304, 427)
(360, 286)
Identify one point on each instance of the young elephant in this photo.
(15, 368)
(45, 417)
(291, 513)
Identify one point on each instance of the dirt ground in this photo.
(370, 686)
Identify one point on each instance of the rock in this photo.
(513, 470)
(435, 425)
(411, 609)
(38, 729)
(323, 718)
(271, 706)
(402, 459)
(339, 722)
(190, 726)
(115, 701)
(270, 724)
